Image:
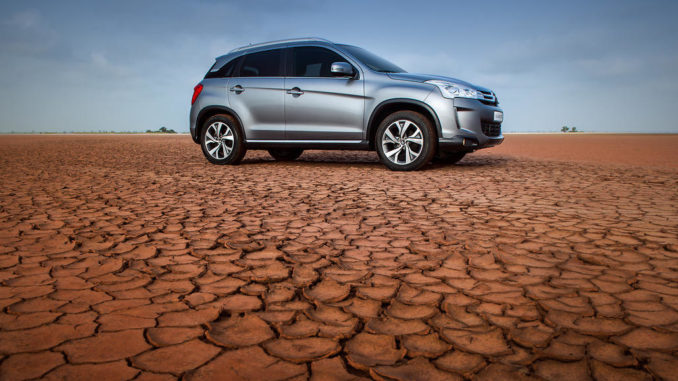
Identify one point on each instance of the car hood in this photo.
(427, 77)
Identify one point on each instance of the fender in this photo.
(415, 102)
(212, 110)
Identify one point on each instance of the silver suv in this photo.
(310, 93)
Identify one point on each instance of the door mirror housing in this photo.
(342, 69)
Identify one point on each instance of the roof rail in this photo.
(279, 42)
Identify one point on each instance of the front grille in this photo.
(489, 98)
(491, 129)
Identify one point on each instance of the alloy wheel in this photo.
(402, 142)
(219, 140)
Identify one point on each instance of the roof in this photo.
(250, 46)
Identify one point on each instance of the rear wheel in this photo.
(221, 140)
(285, 154)
(449, 157)
(405, 141)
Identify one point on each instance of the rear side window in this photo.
(313, 61)
(224, 71)
(262, 64)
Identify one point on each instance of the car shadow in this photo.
(370, 159)
(312, 162)
(471, 161)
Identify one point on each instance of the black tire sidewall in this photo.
(427, 131)
(238, 141)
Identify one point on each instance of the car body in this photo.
(311, 93)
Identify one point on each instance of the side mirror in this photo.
(341, 69)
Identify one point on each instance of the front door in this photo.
(318, 105)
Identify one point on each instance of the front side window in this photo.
(311, 61)
(262, 64)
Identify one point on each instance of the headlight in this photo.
(455, 90)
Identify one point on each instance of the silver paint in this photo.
(301, 110)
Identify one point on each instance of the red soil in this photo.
(550, 256)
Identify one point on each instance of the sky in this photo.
(602, 66)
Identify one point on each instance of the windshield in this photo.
(372, 61)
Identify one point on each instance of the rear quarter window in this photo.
(224, 71)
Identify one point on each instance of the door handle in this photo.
(237, 89)
(295, 91)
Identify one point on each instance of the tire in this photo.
(285, 154)
(222, 140)
(449, 157)
(405, 141)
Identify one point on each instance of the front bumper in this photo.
(476, 127)
(466, 144)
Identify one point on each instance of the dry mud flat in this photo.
(130, 257)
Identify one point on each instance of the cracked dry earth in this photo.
(130, 257)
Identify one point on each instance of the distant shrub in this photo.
(162, 130)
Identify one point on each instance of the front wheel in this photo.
(285, 154)
(221, 140)
(405, 141)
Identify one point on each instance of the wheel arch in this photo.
(390, 106)
(209, 112)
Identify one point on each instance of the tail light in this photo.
(196, 92)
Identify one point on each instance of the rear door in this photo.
(256, 95)
(318, 105)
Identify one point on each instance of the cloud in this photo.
(27, 19)
(26, 33)
(102, 65)
(136, 62)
